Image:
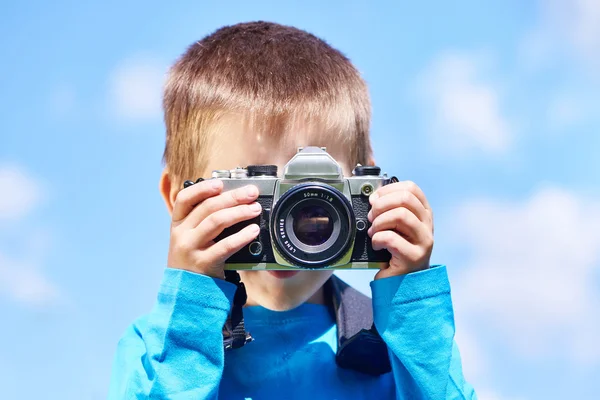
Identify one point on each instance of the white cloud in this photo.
(565, 41)
(570, 108)
(21, 278)
(473, 357)
(583, 26)
(25, 283)
(534, 273)
(565, 26)
(135, 89)
(20, 193)
(565, 111)
(578, 20)
(463, 108)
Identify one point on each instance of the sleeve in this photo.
(175, 352)
(414, 316)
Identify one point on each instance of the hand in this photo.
(200, 213)
(402, 223)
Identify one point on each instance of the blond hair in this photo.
(272, 74)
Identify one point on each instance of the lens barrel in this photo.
(312, 225)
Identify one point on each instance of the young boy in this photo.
(252, 94)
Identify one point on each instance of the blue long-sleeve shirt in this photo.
(176, 352)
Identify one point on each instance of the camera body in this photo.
(312, 217)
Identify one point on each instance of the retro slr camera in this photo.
(313, 217)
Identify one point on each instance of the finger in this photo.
(405, 185)
(396, 245)
(223, 249)
(189, 197)
(401, 198)
(216, 222)
(402, 221)
(230, 198)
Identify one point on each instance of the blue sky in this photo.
(493, 109)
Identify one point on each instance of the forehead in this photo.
(238, 148)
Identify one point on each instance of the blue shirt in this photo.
(176, 351)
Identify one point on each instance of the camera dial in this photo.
(262, 170)
(366, 170)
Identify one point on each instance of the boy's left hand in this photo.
(402, 223)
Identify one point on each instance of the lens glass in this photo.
(312, 225)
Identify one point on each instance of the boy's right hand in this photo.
(200, 213)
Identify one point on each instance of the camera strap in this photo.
(234, 332)
(360, 347)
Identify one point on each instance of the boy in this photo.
(252, 94)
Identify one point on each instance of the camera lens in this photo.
(312, 225)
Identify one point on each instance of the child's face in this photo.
(236, 148)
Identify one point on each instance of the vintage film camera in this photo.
(313, 217)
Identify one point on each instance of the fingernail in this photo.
(251, 190)
(216, 184)
(255, 207)
(370, 231)
(254, 229)
(370, 216)
(373, 197)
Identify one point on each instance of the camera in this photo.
(312, 216)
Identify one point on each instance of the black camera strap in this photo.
(234, 332)
(360, 347)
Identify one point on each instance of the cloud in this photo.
(566, 110)
(564, 42)
(135, 89)
(20, 193)
(21, 276)
(533, 277)
(571, 109)
(565, 26)
(462, 107)
(25, 283)
(472, 354)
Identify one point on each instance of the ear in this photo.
(167, 190)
